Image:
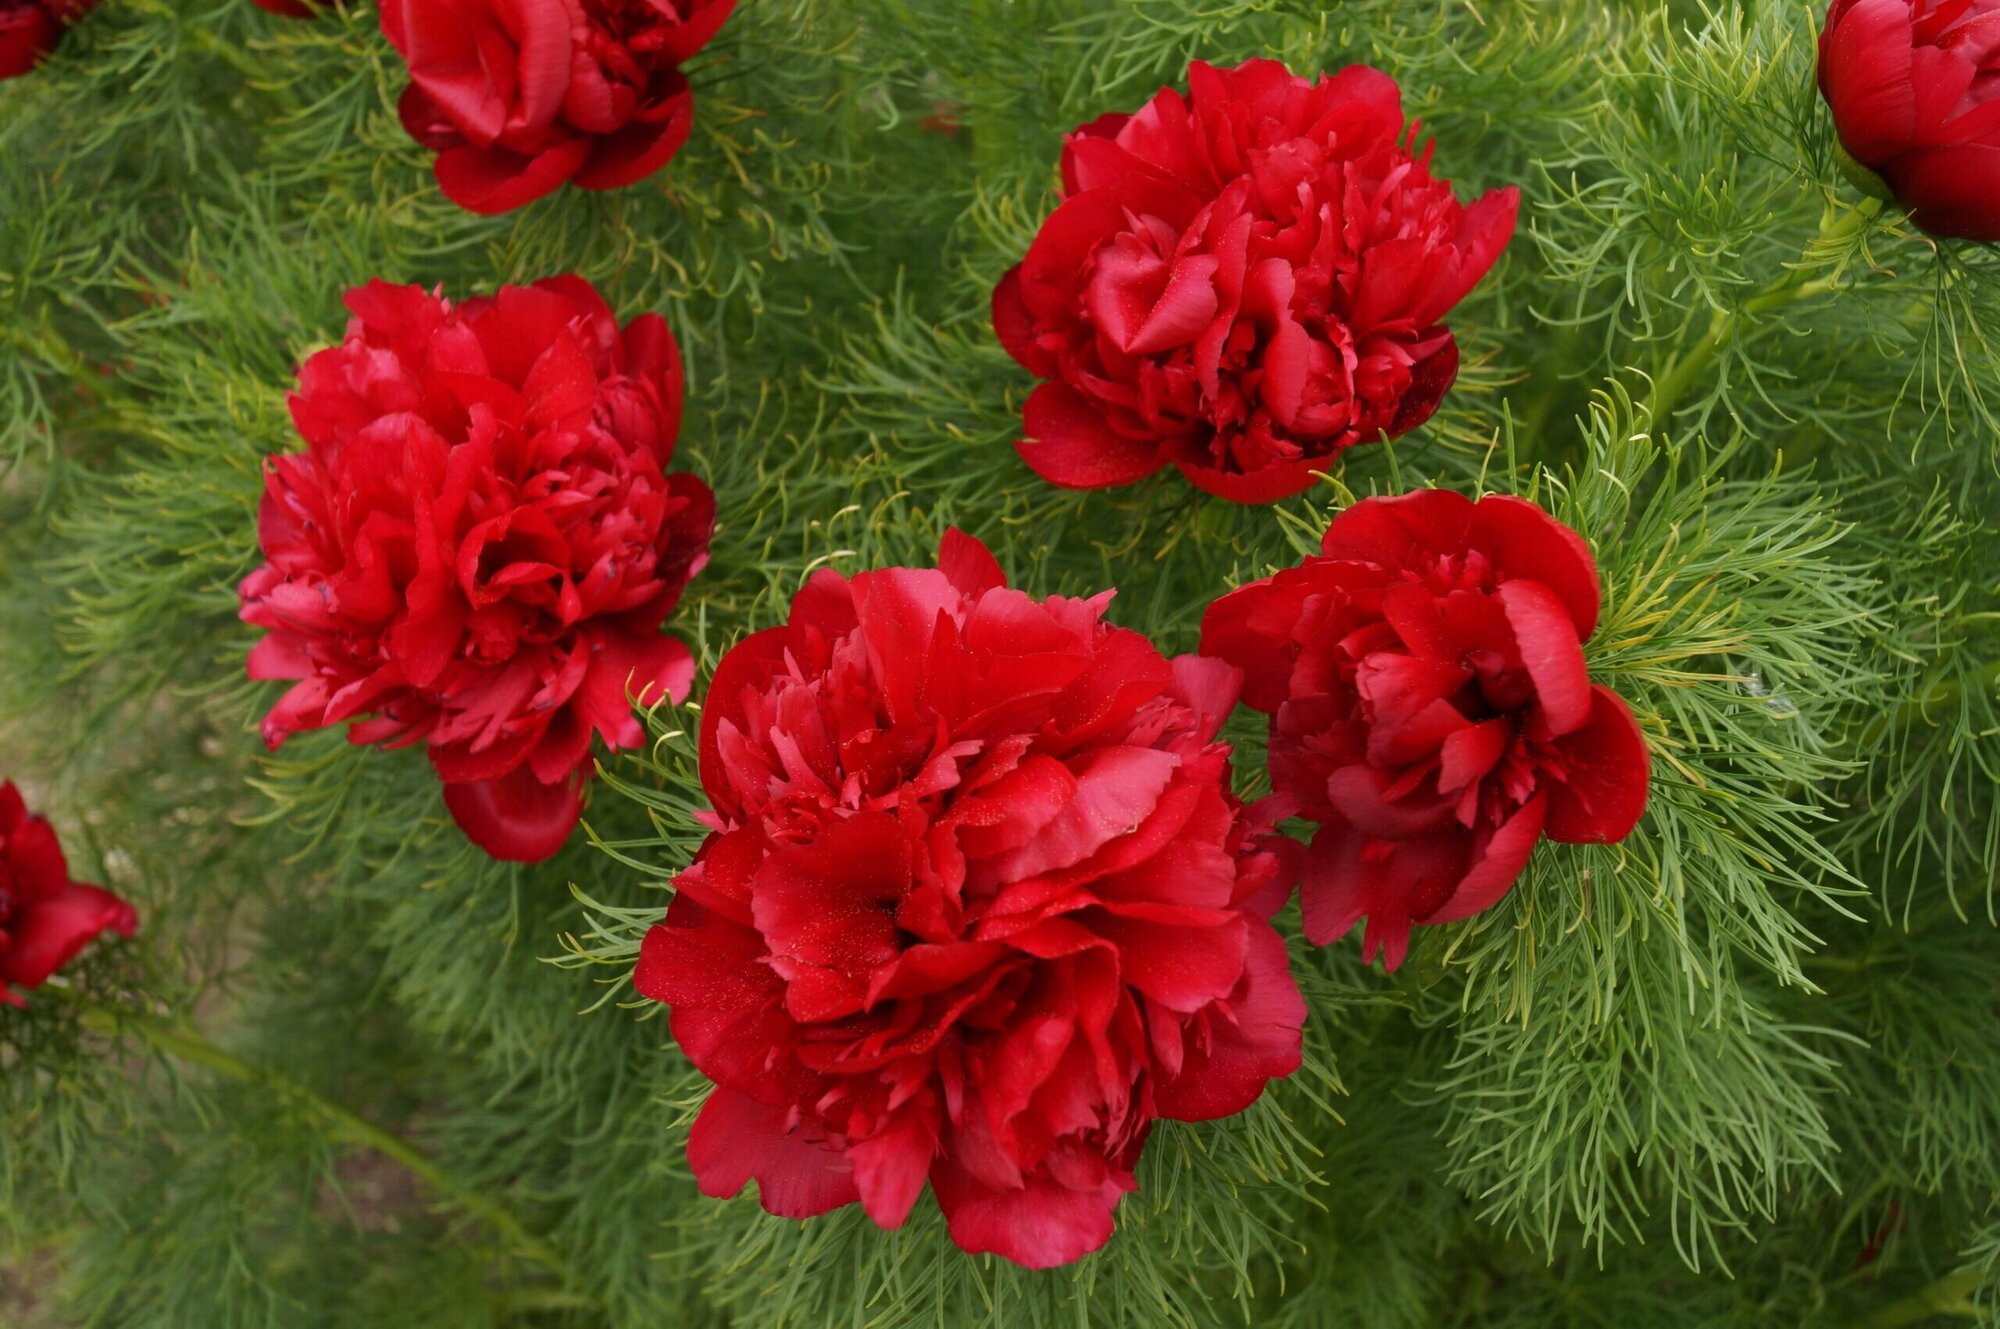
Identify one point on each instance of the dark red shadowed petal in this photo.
(1600, 791)
(1430, 378)
(1015, 326)
(643, 146)
(1498, 867)
(516, 818)
(737, 1139)
(1953, 190)
(494, 180)
(26, 35)
(1266, 484)
(1072, 447)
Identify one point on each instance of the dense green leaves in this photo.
(1741, 1069)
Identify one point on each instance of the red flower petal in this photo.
(643, 146)
(516, 818)
(26, 35)
(1550, 652)
(1040, 1225)
(1070, 445)
(1524, 541)
(494, 180)
(1499, 865)
(1601, 785)
(1399, 532)
(45, 933)
(736, 1138)
(1253, 1039)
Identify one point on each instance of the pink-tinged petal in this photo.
(1598, 788)
(47, 932)
(494, 180)
(737, 1139)
(1400, 532)
(1266, 484)
(1497, 867)
(1550, 652)
(1247, 1040)
(1522, 540)
(1071, 446)
(516, 818)
(1039, 1225)
(641, 147)
(891, 1166)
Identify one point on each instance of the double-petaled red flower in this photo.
(479, 545)
(979, 907)
(45, 917)
(1430, 707)
(519, 97)
(30, 29)
(287, 8)
(1242, 282)
(1914, 86)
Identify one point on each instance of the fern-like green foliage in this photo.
(1740, 1069)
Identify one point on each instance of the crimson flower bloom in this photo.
(286, 8)
(978, 907)
(45, 918)
(1242, 282)
(1912, 84)
(519, 97)
(30, 29)
(479, 545)
(1430, 707)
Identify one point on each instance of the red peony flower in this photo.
(479, 544)
(30, 29)
(45, 918)
(978, 907)
(287, 8)
(518, 97)
(1911, 84)
(1430, 707)
(1242, 282)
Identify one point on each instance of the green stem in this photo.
(339, 1125)
(1726, 324)
(1950, 1295)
